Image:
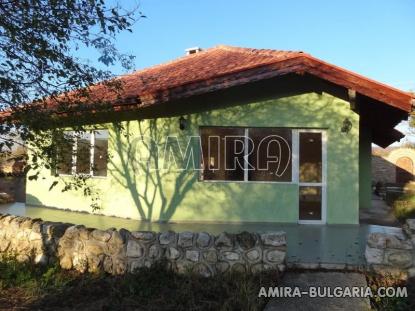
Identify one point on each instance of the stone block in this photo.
(192, 255)
(172, 253)
(411, 225)
(101, 235)
(274, 238)
(134, 249)
(145, 236)
(168, 237)
(66, 262)
(203, 240)
(155, 252)
(246, 240)
(95, 248)
(185, 239)
(211, 256)
(374, 255)
(275, 256)
(398, 258)
(253, 255)
(224, 240)
(232, 256)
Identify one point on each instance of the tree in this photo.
(38, 41)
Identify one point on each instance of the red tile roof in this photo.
(222, 67)
(225, 66)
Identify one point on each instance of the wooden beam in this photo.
(352, 98)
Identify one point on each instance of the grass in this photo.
(391, 303)
(24, 286)
(403, 204)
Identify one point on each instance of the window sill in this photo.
(92, 177)
(249, 182)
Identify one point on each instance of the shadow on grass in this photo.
(25, 286)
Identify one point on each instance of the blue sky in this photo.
(373, 38)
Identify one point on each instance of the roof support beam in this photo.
(352, 99)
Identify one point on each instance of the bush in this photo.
(404, 207)
(391, 303)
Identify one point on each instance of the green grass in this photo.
(391, 303)
(403, 205)
(157, 288)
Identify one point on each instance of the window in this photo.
(270, 154)
(223, 153)
(64, 155)
(310, 176)
(85, 153)
(242, 154)
(100, 153)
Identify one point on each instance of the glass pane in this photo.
(64, 156)
(310, 157)
(83, 154)
(271, 156)
(223, 153)
(100, 153)
(310, 203)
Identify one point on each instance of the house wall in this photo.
(167, 195)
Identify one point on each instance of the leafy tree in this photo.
(38, 44)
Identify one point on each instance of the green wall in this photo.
(130, 190)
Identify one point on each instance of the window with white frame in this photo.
(83, 153)
(246, 154)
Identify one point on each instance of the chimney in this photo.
(193, 50)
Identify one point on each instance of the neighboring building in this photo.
(317, 121)
(393, 165)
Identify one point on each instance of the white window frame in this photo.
(294, 172)
(322, 184)
(92, 153)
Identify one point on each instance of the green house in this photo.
(233, 134)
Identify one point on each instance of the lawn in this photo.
(24, 286)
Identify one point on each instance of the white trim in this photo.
(322, 184)
(91, 152)
(295, 156)
(91, 158)
(246, 142)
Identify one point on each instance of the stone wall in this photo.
(392, 252)
(119, 251)
(384, 163)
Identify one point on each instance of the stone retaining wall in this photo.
(392, 253)
(120, 251)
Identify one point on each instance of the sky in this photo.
(373, 38)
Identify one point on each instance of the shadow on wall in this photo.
(144, 178)
(158, 193)
(32, 200)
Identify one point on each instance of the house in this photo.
(231, 134)
(393, 165)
